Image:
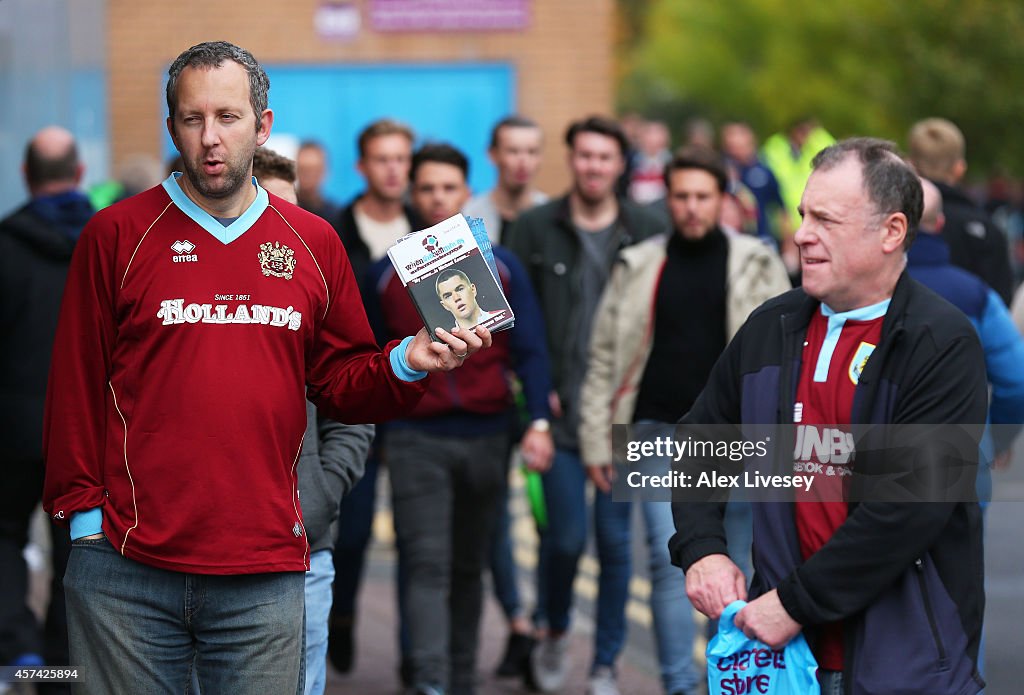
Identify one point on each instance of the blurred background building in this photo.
(53, 60)
(448, 68)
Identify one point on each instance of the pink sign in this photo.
(449, 15)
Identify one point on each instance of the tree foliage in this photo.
(865, 67)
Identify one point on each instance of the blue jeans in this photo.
(562, 544)
(138, 629)
(318, 610)
(674, 630)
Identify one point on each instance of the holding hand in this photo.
(713, 582)
(538, 449)
(765, 619)
(426, 355)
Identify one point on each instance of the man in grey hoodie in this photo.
(331, 463)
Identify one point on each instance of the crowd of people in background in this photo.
(627, 288)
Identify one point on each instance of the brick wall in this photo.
(563, 60)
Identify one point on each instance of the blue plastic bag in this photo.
(738, 665)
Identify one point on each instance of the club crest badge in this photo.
(277, 260)
(859, 361)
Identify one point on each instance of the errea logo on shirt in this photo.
(183, 252)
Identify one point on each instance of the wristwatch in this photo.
(541, 425)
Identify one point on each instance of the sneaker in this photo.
(602, 682)
(549, 664)
(517, 655)
(341, 644)
(428, 690)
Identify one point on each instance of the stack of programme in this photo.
(449, 273)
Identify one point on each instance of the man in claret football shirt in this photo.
(888, 593)
(195, 314)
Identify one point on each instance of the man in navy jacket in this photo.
(894, 588)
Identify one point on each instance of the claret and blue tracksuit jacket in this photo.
(905, 578)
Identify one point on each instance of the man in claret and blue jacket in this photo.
(888, 592)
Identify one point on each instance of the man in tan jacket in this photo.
(668, 311)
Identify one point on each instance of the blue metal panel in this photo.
(455, 103)
(43, 82)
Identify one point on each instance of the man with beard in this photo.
(194, 316)
(568, 247)
(669, 310)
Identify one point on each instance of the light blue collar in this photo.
(836, 321)
(865, 313)
(210, 223)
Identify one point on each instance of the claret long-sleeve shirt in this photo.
(176, 399)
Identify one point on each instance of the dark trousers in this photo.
(20, 632)
(355, 526)
(445, 495)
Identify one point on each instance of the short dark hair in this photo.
(447, 275)
(380, 128)
(698, 157)
(891, 183)
(271, 165)
(602, 125)
(513, 121)
(40, 169)
(312, 145)
(442, 153)
(212, 54)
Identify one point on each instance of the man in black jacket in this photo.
(36, 242)
(371, 223)
(379, 216)
(976, 244)
(568, 247)
(889, 593)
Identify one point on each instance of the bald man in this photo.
(928, 262)
(36, 242)
(932, 217)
